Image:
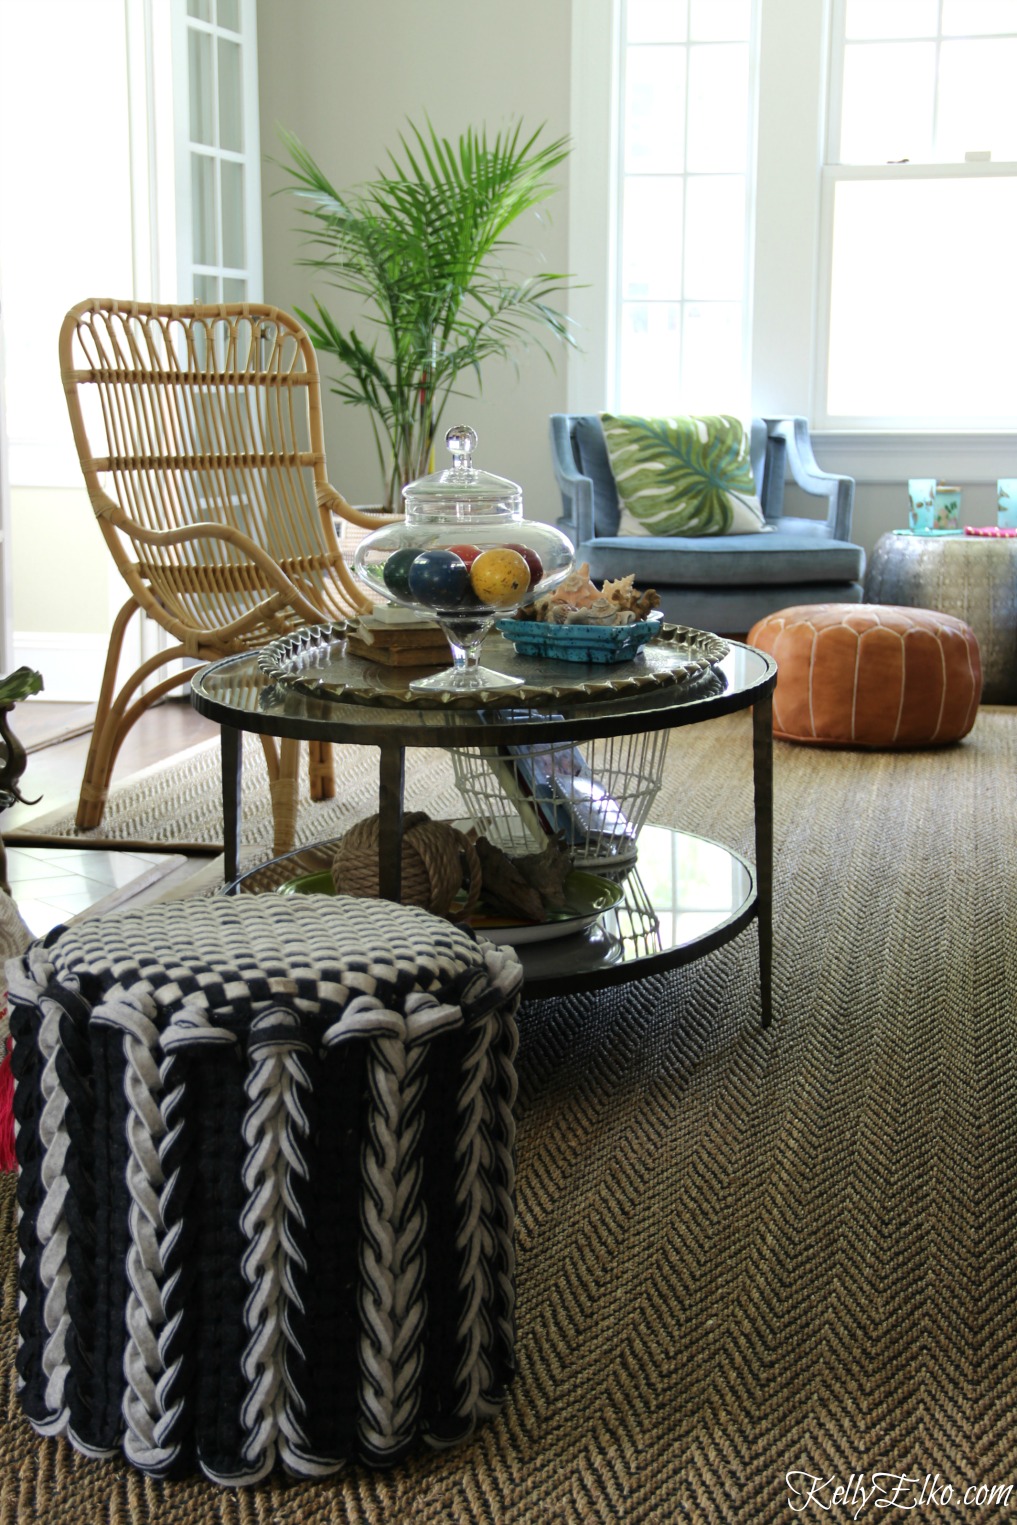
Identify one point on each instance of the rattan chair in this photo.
(199, 433)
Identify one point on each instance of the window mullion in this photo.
(683, 303)
(939, 83)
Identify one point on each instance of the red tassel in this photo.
(8, 1158)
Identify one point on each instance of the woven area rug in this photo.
(752, 1266)
(166, 806)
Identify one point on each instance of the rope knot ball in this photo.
(438, 862)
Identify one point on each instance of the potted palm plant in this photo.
(425, 245)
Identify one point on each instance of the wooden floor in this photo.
(55, 769)
(53, 884)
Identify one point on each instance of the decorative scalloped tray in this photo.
(314, 661)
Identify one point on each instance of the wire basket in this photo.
(599, 794)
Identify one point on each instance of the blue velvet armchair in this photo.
(723, 583)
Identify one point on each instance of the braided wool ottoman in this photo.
(871, 675)
(267, 1183)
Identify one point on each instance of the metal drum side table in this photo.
(969, 576)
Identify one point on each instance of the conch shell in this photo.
(578, 601)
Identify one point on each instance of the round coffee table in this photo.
(971, 576)
(237, 694)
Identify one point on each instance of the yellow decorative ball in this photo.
(499, 577)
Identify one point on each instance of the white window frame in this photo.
(250, 158)
(788, 328)
(834, 173)
(779, 266)
(838, 174)
(616, 117)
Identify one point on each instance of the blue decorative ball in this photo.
(395, 573)
(438, 579)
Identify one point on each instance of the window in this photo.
(686, 128)
(133, 94)
(219, 192)
(919, 215)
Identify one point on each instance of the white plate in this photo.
(516, 937)
(589, 891)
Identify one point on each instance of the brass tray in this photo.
(315, 661)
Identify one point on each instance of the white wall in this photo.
(345, 75)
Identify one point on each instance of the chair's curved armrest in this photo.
(225, 534)
(576, 490)
(333, 502)
(807, 474)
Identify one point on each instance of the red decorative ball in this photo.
(532, 560)
(467, 553)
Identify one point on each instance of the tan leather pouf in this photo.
(871, 675)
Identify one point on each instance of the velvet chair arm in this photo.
(576, 490)
(806, 473)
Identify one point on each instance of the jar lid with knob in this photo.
(462, 489)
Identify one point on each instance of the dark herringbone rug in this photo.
(742, 1255)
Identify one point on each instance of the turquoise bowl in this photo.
(580, 643)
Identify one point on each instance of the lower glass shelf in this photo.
(684, 896)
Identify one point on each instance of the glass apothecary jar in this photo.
(465, 555)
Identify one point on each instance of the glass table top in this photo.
(237, 693)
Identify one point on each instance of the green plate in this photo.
(589, 896)
(309, 884)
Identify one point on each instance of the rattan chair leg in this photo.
(284, 796)
(270, 747)
(118, 718)
(321, 769)
(99, 763)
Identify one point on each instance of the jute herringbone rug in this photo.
(744, 1257)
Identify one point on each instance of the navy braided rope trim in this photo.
(236, 1121)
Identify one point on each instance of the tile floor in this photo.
(52, 884)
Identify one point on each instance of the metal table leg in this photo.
(232, 771)
(391, 777)
(762, 776)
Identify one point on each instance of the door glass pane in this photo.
(652, 238)
(715, 238)
(202, 9)
(206, 288)
(720, 20)
(228, 14)
(233, 243)
(233, 289)
(656, 20)
(976, 17)
(976, 108)
(900, 346)
(203, 213)
(199, 65)
(654, 109)
(231, 105)
(889, 92)
(712, 365)
(650, 353)
(718, 107)
(891, 18)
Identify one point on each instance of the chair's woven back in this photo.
(188, 418)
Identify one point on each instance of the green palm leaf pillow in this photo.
(682, 476)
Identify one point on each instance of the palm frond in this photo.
(424, 246)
